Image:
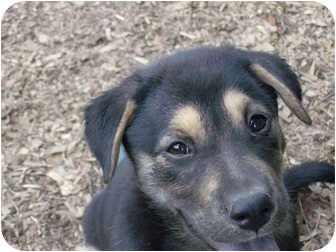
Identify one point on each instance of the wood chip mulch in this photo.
(58, 55)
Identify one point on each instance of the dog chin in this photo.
(258, 243)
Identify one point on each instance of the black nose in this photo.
(252, 212)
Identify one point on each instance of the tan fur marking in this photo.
(208, 186)
(125, 118)
(145, 175)
(235, 103)
(144, 160)
(161, 161)
(147, 162)
(188, 120)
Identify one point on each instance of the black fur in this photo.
(138, 224)
(304, 174)
(142, 210)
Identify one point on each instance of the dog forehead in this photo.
(200, 79)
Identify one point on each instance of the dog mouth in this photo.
(266, 243)
(263, 243)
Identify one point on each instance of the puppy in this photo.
(204, 155)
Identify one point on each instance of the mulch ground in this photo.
(58, 55)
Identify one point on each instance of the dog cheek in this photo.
(154, 177)
(150, 186)
(163, 171)
(164, 176)
(168, 185)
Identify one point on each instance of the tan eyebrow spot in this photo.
(188, 120)
(235, 103)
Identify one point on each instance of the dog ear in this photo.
(275, 72)
(106, 119)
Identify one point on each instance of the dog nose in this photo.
(252, 212)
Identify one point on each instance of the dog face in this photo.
(202, 130)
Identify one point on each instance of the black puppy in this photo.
(204, 147)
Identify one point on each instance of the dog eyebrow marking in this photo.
(235, 102)
(188, 120)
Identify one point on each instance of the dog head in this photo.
(201, 128)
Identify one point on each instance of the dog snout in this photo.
(252, 212)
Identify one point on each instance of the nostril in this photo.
(267, 210)
(242, 219)
(252, 212)
(239, 217)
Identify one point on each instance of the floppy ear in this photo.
(275, 72)
(106, 119)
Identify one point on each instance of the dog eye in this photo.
(258, 123)
(178, 148)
